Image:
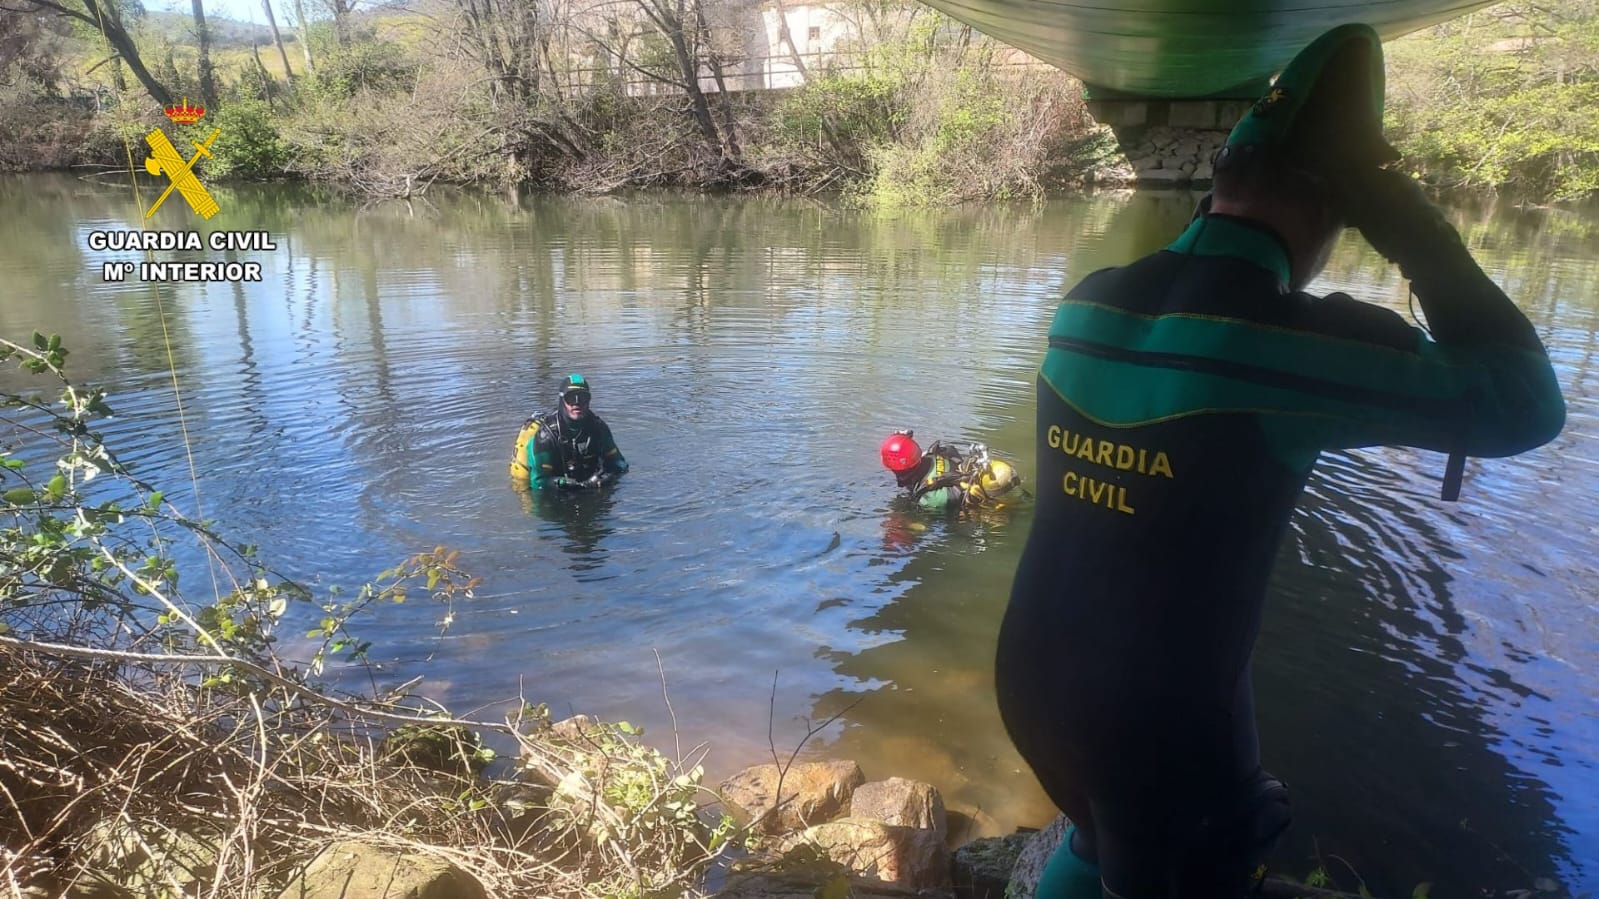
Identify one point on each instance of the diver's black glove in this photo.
(1463, 305)
(566, 483)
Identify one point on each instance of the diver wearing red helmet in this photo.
(933, 478)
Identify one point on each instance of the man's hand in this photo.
(1462, 304)
(1397, 219)
(566, 483)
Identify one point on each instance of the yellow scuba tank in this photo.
(519, 469)
(995, 479)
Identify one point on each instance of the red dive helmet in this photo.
(900, 452)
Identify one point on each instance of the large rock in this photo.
(982, 868)
(1030, 864)
(813, 793)
(352, 870)
(907, 803)
(581, 730)
(901, 855)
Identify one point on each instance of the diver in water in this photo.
(947, 477)
(569, 448)
(1182, 403)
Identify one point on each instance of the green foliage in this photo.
(931, 119)
(1502, 99)
(629, 798)
(376, 66)
(76, 561)
(250, 146)
(856, 109)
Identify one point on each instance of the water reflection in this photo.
(1423, 663)
(579, 519)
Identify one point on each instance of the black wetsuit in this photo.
(563, 450)
(1181, 405)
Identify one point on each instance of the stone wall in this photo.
(1170, 156)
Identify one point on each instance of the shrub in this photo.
(250, 146)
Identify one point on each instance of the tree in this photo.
(104, 18)
(277, 38)
(305, 35)
(208, 75)
(30, 49)
(341, 19)
(1508, 97)
(683, 28)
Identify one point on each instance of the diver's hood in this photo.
(1325, 109)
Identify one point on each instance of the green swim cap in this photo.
(1325, 109)
(574, 382)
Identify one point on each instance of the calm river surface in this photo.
(1428, 672)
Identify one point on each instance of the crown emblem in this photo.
(185, 114)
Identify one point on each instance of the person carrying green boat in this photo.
(1182, 402)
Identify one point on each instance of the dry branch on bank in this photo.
(130, 779)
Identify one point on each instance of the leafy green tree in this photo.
(1504, 98)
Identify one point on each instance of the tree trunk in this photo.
(261, 73)
(730, 147)
(828, 129)
(341, 21)
(118, 37)
(208, 77)
(788, 41)
(688, 64)
(305, 34)
(277, 38)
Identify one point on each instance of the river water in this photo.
(1428, 671)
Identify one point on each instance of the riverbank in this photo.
(126, 781)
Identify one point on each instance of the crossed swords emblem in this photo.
(180, 172)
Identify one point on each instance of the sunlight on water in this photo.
(1427, 671)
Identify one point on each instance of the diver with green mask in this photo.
(1182, 402)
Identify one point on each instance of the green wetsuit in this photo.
(564, 451)
(1182, 403)
(939, 488)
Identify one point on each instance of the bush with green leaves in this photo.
(250, 145)
(1506, 98)
(376, 66)
(89, 552)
